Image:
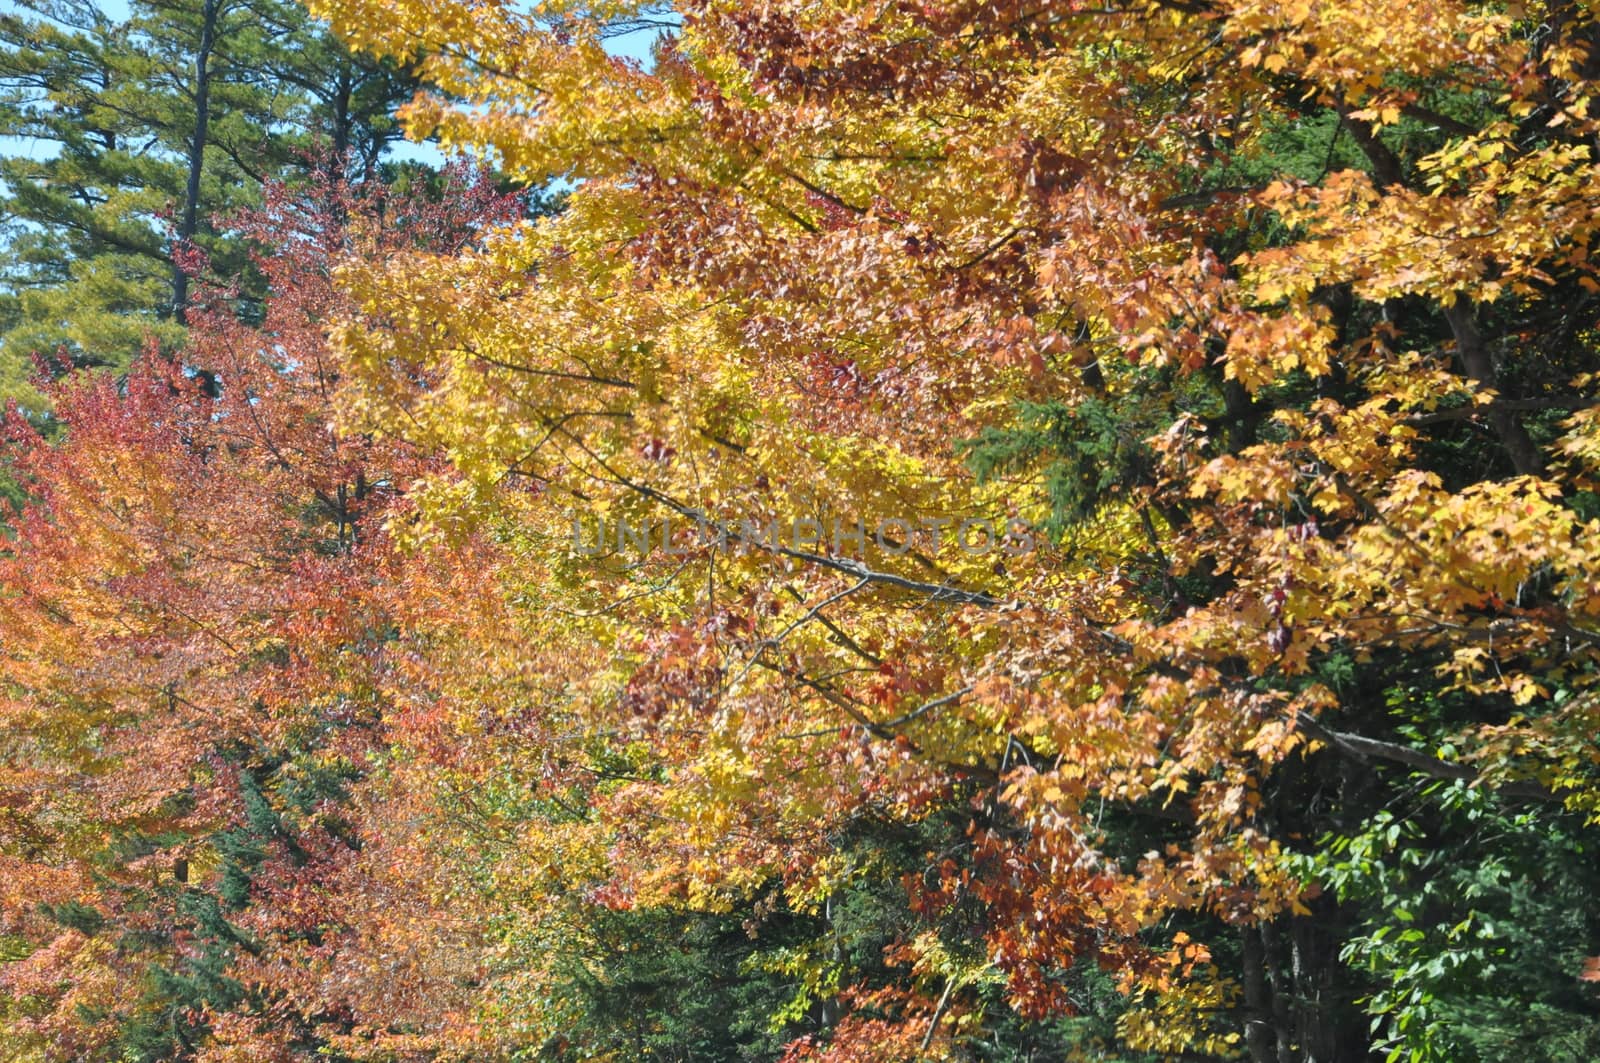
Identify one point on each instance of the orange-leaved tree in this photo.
(198, 616)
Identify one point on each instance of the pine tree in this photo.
(129, 136)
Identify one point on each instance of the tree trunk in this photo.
(1283, 1030)
(1478, 363)
(341, 113)
(190, 222)
(1259, 1035)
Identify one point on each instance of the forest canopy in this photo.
(879, 530)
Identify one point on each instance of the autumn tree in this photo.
(195, 620)
(1305, 448)
(980, 531)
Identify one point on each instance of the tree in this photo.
(1350, 410)
(196, 624)
(87, 265)
(137, 132)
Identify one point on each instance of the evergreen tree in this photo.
(128, 135)
(87, 268)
